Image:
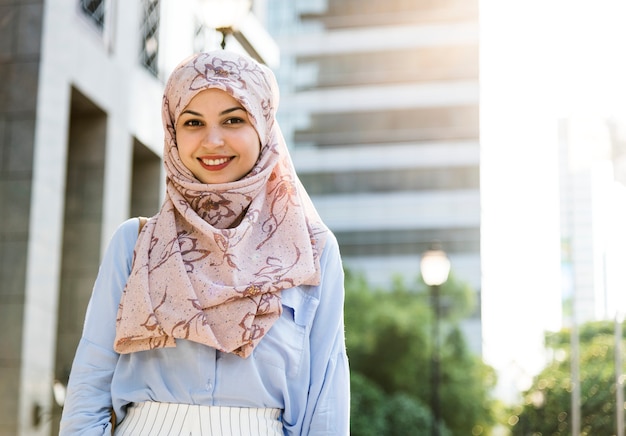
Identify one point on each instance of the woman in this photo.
(225, 315)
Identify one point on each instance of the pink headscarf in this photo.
(209, 267)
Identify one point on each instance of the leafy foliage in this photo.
(547, 404)
(406, 414)
(368, 402)
(389, 341)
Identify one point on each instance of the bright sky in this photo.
(541, 60)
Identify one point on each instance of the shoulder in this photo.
(331, 245)
(122, 242)
(126, 232)
(130, 226)
(329, 290)
(330, 259)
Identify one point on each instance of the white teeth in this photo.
(213, 162)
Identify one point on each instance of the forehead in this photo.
(213, 97)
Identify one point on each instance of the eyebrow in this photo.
(224, 112)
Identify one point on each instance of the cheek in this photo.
(252, 144)
(256, 152)
(184, 146)
(184, 140)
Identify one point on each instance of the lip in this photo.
(215, 163)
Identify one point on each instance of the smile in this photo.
(215, 162)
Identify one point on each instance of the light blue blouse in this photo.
(300, 366)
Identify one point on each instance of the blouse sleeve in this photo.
(328, 406)
(87, 409)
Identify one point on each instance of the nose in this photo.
(214, 137)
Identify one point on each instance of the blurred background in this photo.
(487, 133)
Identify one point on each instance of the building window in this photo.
(150, 35)
(364, 243)
(394, 180)
(95, 10)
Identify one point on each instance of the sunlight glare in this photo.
(541, 61)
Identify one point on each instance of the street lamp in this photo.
(224, 15)
(435, 267)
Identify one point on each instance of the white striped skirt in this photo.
(160, 419)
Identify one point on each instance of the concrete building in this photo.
(380, 106)
(80, 144)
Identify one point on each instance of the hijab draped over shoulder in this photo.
(210, 266)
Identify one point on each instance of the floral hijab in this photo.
(209, 267)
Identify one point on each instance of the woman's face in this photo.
(216, 140)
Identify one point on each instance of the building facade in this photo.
(80, 145)
(379, 102)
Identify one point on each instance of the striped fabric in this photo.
(161, 419)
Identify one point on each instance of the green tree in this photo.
(462, 368)
(547, 404)
(368, 404)
(405, 414)
(388, 336)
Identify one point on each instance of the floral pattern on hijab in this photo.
(210, 266)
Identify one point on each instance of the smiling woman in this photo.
(216, 140)
(225, 314)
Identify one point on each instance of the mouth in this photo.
(215, 164)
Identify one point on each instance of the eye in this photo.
(192, 123)
(234, 120)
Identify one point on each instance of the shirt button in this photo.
(209, 385)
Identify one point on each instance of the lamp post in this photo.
(224, 15)
(435, 267)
